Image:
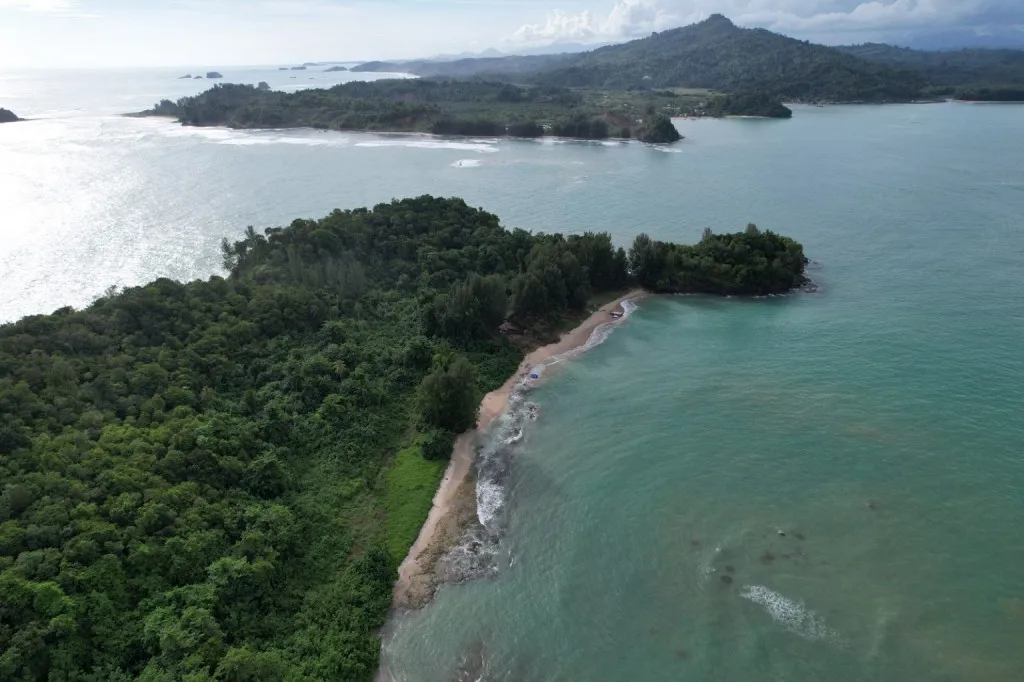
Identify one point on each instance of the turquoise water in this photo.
(877, 423)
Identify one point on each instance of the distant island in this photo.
(335, 69)
(224, 479)
(476, 108)
(214, 74)
(8, 116)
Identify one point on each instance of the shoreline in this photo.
(455, 498)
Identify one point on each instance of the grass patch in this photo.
(410, 484)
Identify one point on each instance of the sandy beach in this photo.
(455, 501)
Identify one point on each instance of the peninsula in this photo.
(218, 479)
(478, 108)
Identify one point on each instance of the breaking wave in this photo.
(476, 146)
(479, 552)
(791, 614)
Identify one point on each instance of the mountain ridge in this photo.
(715, 54)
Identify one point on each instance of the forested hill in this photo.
(718, 55)
(713, 54)
(443, 107)
(217, 480)
(947, 70)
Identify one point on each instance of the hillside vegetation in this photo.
(217, 480)
(992, 94)
(716, 55)
(713, 54)
(449, 107)
(945, 71)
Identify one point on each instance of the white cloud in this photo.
(57, 8)
(627, 19)
(630, 19)
(39, 5)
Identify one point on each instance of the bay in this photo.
(877, 422)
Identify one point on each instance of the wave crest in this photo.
(791, 614)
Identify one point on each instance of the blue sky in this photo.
(88, 33)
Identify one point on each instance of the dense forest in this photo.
(748, 104)
(748, 262)
(477, 108)
(8, 116)
(944, 71)
(216, 480)
(990, 94)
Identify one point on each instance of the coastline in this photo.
(454, 503)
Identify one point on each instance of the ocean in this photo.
(824, 485)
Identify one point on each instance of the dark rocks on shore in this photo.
(8, 116)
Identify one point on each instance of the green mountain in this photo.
(975, 67)
(718, 55)
(713, 54)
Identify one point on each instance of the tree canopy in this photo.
(198, 481)
(749, 262)
(749, 104)
(444, 107)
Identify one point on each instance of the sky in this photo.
(137, 33)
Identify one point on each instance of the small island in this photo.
(334, 69)
(8, 116)
(214, 74)
(298, 68)
(187, 75)
(475, 108)
(752, 103)
(751, 263)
